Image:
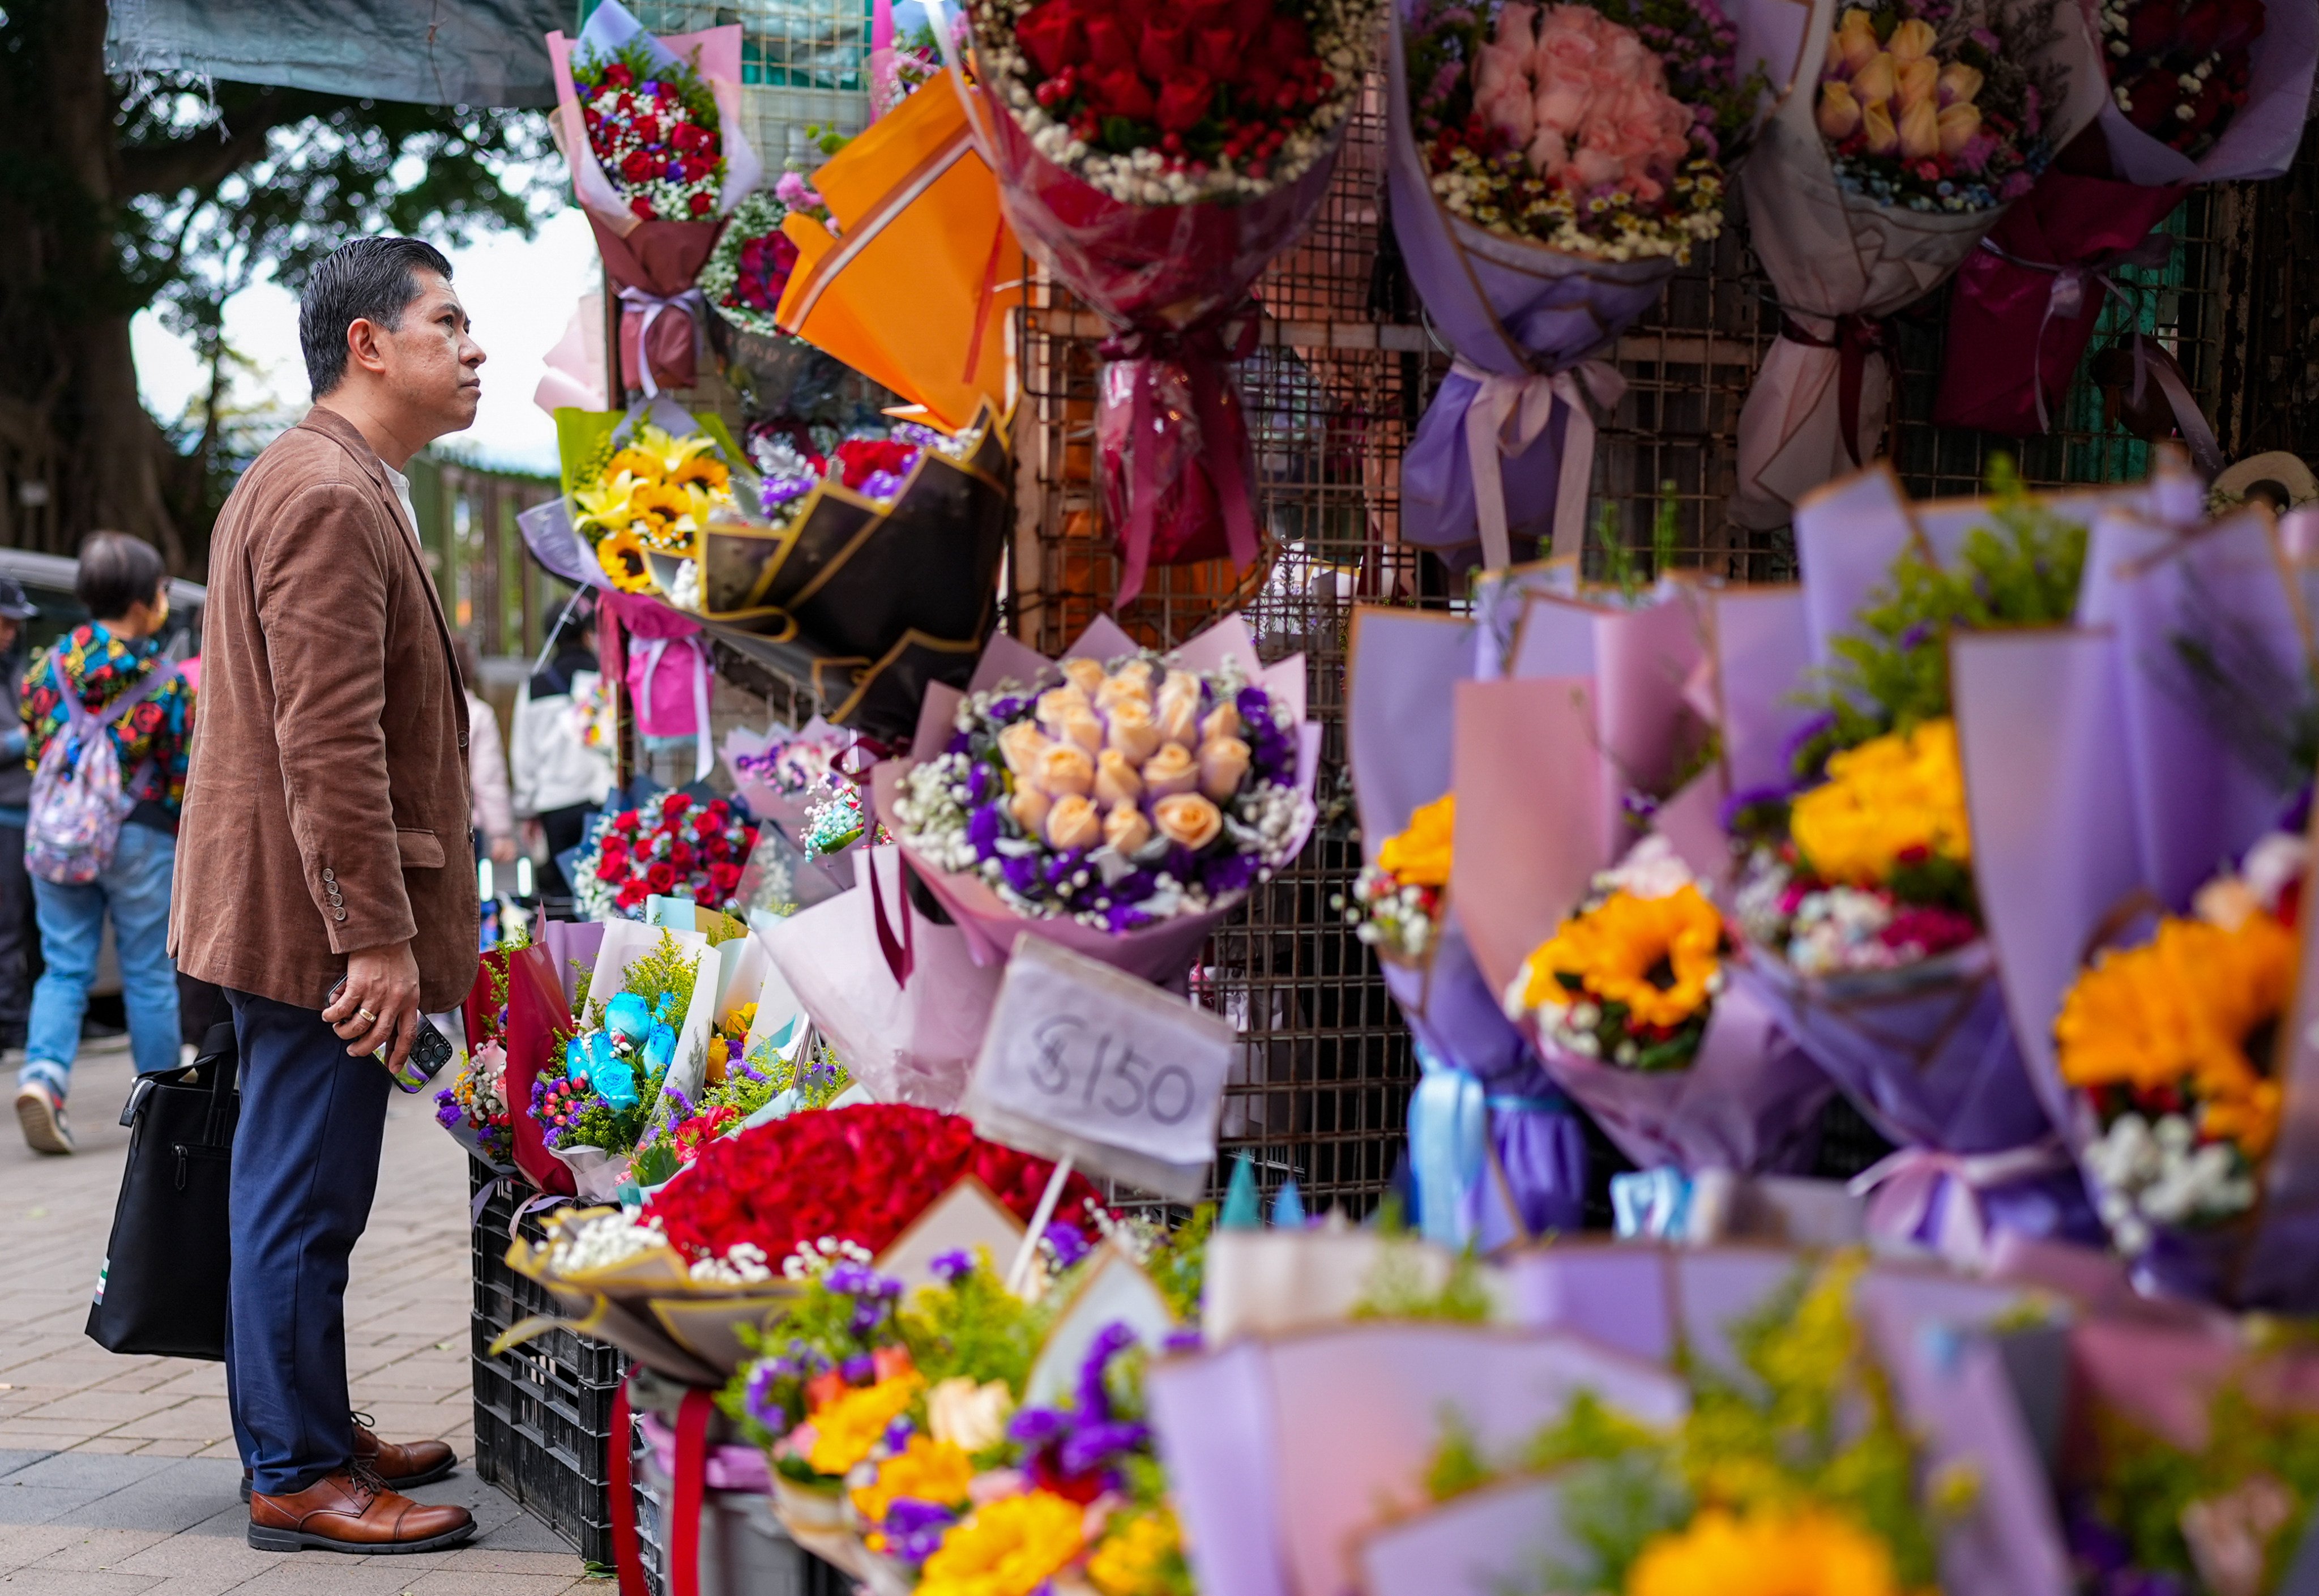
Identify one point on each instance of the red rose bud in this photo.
(1184, 100)
(1052, 35)
(1161, 50)
(1121, 93)
(1217, 52)
(636, 168)
(1285, 42)
(1109, 45)
(642, 207)
(618, 73)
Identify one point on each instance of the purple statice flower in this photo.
(983, 829)
(913, 1529)
(1915, 636)
(762, 1400)
(859, 1280)
(1272, 752)
(1003, 710)
(1035, 1427)
(978, 784)
(1021, 873)
(1118, 917)
(1185, 1339)
(447, 1112)
(780, 490)
(868, 1317)
(914, 432)
(960, 743)
(898, 1433)
(1066, 1242)
(1093, 1399)
(1133, 886)
(951, 1268)
(1091, 1446)
(859, 1369)
(881, 484)
(1227, 872)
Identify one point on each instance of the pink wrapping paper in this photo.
(2262, 138)
(1157, 953)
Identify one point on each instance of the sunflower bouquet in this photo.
(2171, 1046)
(650, 490)
(1628, 1007)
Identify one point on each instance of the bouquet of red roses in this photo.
(859, 1174)
(673, 846)
(652, 129)
(1155, 158)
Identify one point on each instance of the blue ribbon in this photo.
(1651, 1204)
(1448, 1147)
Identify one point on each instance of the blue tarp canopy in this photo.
(441, 52)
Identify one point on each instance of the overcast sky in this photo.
(520, 293)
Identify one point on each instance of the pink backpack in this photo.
(78, 801)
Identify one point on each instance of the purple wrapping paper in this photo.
(1398, 742)
(1746, 1102)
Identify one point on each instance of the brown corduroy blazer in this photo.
(326, 808)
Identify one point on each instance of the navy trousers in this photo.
(305, 1167)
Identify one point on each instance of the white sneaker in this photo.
(42, 1112)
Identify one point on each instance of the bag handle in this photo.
(225, 1063)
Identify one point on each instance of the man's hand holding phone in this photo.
(377, 1007)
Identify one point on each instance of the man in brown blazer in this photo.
(325, 834)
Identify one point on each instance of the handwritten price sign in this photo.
(1084, 1061)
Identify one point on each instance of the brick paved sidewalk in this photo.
(118, 1475)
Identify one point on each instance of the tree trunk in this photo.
(78, 452)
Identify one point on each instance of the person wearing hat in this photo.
(19, 938)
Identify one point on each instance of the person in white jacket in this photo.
(489, 812)
(560, 781)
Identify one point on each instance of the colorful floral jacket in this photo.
(154, 738)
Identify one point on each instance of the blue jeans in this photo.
(305, 1167)
(135, 887)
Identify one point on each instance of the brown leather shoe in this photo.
(397, 1464)
(402, 1463)
(351, 1511)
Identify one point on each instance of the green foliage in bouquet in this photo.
(2149, 1488)
(972, 1327)
(1620, 566)
(683, 78)
(666, 973)
(1177, 1262)
(2022, 571)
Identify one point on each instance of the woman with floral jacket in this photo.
(124, 584)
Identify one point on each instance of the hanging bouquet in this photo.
(675, 846)
(651, 130)
(1136, 799)
(838, 820)
(751, 265)
(2191, 99)
(1550, 166)
(1155, 162)
(1396, 902)
(782, 775)
(635, 482)
(2171, 1044)
(1922, 123)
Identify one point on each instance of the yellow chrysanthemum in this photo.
(1420, 856)
(1806, 1553)
(1891, 796)
(2178, 1012)
(1656, 955)
(1009, 1548)
(926, 1470)
(622, 553)
(640, 464)
(844, 1430)
(1142, 1557)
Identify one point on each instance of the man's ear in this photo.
(363, 345)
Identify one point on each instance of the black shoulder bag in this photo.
(162, 1288)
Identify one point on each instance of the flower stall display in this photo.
(1629, 1006)
(674, 845)
(651, 130)
(631, 1056)
(1155, 163)
(1912, 129)
(1550, 168)
(1120, 802)
(2209, 92)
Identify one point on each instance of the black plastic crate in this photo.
(543, 1410)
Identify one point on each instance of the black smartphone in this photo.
(428, 1052)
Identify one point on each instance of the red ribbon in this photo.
(878, 753)
(627, 1557)
(684, 1512)
(1857, 337)
(1202, 351)
(901, 952)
